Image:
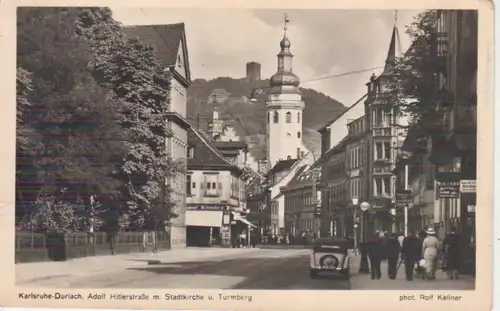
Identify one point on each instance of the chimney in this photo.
(253, 71)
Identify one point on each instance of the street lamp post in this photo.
(363, 265)
(355, 223)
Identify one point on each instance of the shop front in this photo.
(207, 225)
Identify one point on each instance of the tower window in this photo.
(268, 117)
(298, 134)
(288, 117)
(298, 117)
(276, 117)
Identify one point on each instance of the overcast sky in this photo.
(324, 42)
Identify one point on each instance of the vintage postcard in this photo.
(281, 155)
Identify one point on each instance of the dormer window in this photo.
(179, 61)
(190, 152)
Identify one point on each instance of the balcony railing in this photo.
(382, 132)
(382, 170)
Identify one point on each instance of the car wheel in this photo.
(313, 274)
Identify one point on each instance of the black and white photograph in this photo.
(246, 149)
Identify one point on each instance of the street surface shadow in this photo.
(257, 273)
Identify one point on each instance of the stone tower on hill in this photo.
(253, 71)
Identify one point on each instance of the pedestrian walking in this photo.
(452, 255)
(401, 238)
(410, 253)
(430, 252)
(304, 239)
(254, 236)
(375, 255)
(392, 248)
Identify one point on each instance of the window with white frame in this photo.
(211, 185)
(382, 186)
(190, 152)
(377, 187)
(379, 151)
(387, 150)
(381, 117)
(387, 186)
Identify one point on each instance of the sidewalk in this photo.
(364, 281)
(282, 246)
(31, 272)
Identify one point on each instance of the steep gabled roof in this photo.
(303, 177)
(166, 40)
(282, 165)
(394, 52)
(205, 152)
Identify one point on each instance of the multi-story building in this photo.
(382, 143)
(454, 152)
(442, 163)
(357, 175)
(215, 194)
(172, 53)
(301, 201)
(336, 218)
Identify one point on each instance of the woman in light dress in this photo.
(430, 250)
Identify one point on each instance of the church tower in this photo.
(284, 109)
(216, 125)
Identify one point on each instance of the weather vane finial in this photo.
(286, 22)
(395, 17)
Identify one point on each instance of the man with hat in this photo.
(410, 253)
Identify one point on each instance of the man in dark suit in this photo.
(375, 255)
(392, 249)
(411, 251)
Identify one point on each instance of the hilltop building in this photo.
(253, 71)
(172, 53)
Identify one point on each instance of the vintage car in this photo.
(330, 255)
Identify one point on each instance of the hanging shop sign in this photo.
(450, 189)
(467, 186)
(403, 197)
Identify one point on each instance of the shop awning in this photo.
(204, 218)
(238, 216)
